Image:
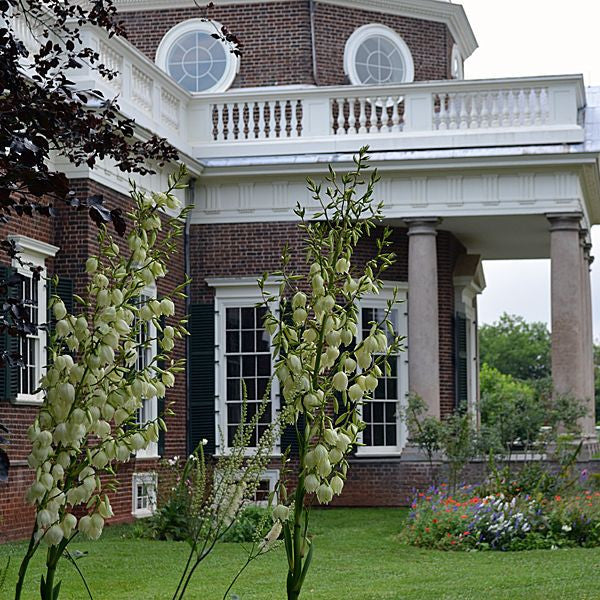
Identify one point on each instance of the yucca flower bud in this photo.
(168, 379)
(309, 335)
(361, 381)
(63, 329)
(343, 442)
(324, 467)
(167, 307)
(68, 524)
(299, 316)
(320, 453)
(294, 363)
(91, 265)
(330, 436)
(342, 265)
(335, 456)
(59, 310)
(334, 338)
(44, 518)
(47, 481)
(340, 381)
(310, 459)
(332, 353)
(54, 535)
(337, 484)
(281, 512)
(299, 300)
(355, 392)
(370, 382)
(311, 401)
(311, 483)
(324, 494)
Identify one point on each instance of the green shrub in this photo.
(253, 521)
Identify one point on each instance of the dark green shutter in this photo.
(161, 401)
(9, 376)
(64, 290)
(461, 371)
(201, 368)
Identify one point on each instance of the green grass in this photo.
(357, 557)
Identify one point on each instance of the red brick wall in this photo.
(75, 234)
(428, 41)
(249, 249)
(277, 41)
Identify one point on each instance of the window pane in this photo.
(232, 320)
(233, 341)
(248, 365)
(233, 366)
(248, 318)
(247, 341)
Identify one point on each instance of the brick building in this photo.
(471, 170)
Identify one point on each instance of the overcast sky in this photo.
(533, 37)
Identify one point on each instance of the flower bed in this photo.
(465, 521)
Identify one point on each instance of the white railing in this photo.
(415, 116)
(290, 120)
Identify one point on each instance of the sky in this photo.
(521, 38)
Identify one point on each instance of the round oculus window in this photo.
(378, 60)
(377, 55)
(197, 61)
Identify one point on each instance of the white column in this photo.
(423, 318)
(588, 337)
(567, 288)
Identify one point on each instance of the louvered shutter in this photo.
(64, 290)
(161, 401)
(9, 376)
(461, 375)
(201, 368)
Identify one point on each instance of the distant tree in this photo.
(517, 348)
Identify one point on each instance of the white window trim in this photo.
(457, 59)
(151, 451)
(380, 301)
(366, 31)
(151, 481)
(35, 252)
(237, 292)
(191, 25)
(272, 476)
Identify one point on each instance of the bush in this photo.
(252, 521)
(467, 521)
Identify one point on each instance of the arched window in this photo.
(196, 60)
(377, 55)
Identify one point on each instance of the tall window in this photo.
(143, 494)
(32, 348)
(146, 352)
(247, 360)
(242, 359)
(385, 431)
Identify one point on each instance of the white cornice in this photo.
(31, 246)
(453, 15)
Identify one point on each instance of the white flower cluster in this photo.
(93, 387)
(323, 362)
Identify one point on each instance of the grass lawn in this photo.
(357, 557)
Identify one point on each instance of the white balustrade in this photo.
(420, 115)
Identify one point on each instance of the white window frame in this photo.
(35, 252)
(151, 451)
(456, 63)
(150, 480)
(272, 476)
(198, 25)
(380, 301)
(241, 292)
(366, 31)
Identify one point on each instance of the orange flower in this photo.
(427, 529)
(435, 520)
(557, 498)
(463, 516)
(466, 533)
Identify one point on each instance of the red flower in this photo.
(435, 520)
(557, 498)
(466, 532)
(427, 529)
(463, 516)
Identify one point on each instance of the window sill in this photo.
(142, 514)
(28, 400)
(147, 457)
(378, 453)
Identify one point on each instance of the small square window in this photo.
(144, 494)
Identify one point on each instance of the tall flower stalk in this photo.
(325, 368)
(94, 386)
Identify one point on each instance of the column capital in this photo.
(422, 225)
(565, 221)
